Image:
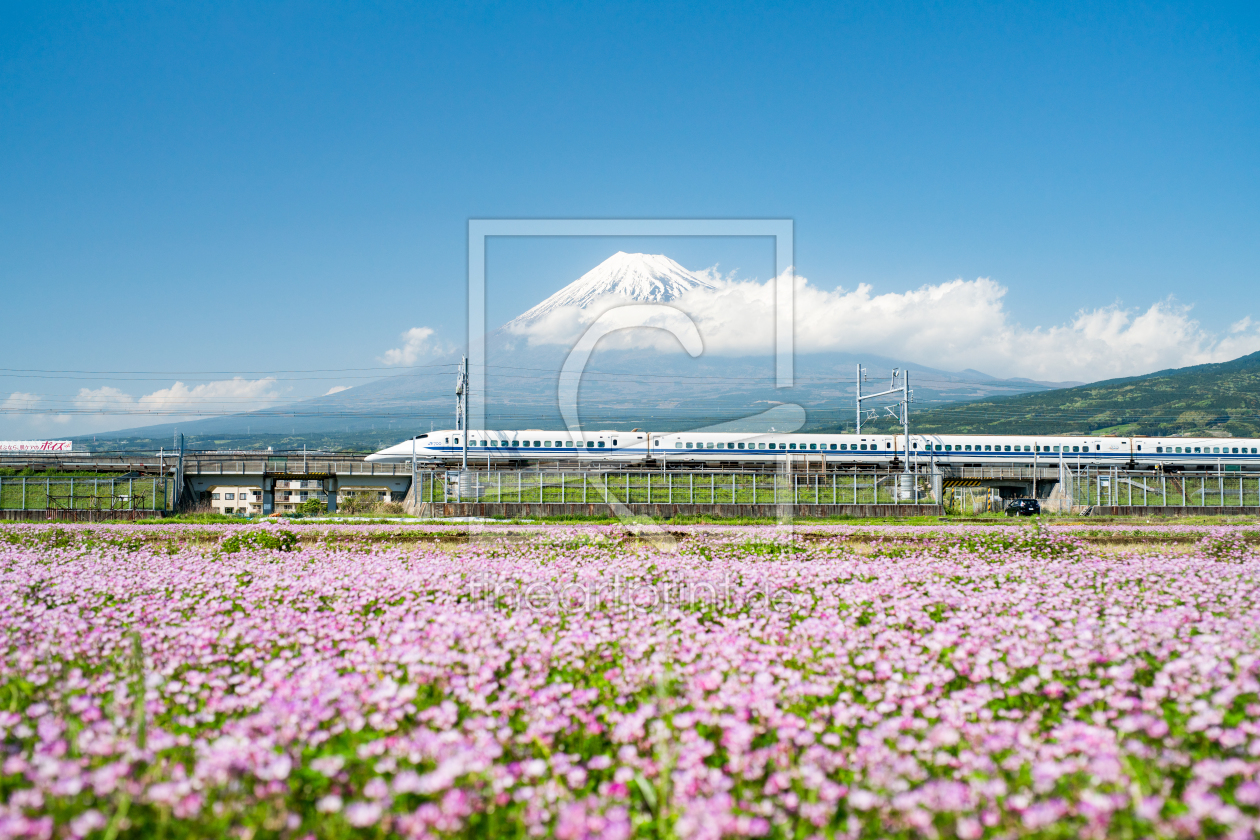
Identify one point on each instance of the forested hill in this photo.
(1217, 399)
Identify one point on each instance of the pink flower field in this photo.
(344, 681)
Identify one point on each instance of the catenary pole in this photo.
(859, 399)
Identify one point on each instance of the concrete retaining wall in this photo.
(531, 511)
(77, 515)
(1170, 510)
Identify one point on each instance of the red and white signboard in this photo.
(35, 445)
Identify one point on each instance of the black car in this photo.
(1023, 507)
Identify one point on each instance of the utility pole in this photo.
(860, 373)
(461, 407)
(903, 416)
(904, 402)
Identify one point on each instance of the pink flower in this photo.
(363, 814)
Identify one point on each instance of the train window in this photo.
(1235, 450)
(843, 447)
(833, 446)
(783, 446)
(590, 444)
(1253, 450)
(948, 447)
(864, 447)
(1159, 449)
(688, 444)
(456, 440)
(887, 445)
(761, 446)
(1097, 447)
(1216, 449)
(547, 443)
(570, 443)
(601, 444)
(791, 446)
(708, 445)
(815, 446)
(614, 442)
(741, 446)
(1008, 449)
(967, 447)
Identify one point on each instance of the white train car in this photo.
(635, 446)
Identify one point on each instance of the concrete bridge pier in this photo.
(269, 495)
(330, 493)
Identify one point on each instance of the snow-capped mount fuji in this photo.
(643, 278)
(623, 388)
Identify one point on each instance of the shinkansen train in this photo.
(516, 448)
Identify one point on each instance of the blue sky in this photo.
(246, 188)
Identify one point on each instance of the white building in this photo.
(236, 500)
(289, 495)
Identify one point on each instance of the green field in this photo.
(96, 493)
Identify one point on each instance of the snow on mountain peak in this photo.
(644, 278)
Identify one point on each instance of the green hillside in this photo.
(1206, 400)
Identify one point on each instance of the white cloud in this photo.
(225, 396)
(336, 389)
(955, 325)
(416, 343)
(26, 413)
(21, 401)
(107, 408)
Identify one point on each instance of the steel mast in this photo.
(461, 408)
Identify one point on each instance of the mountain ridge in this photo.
(666, 391)
(1213, 399)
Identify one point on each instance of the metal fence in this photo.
(1145, 488)
(647, 487)
(103, 494)
(1073, 488)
